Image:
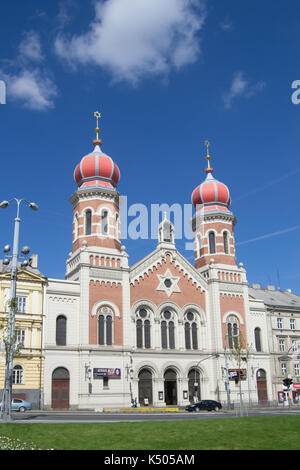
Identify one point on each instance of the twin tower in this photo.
(96, 215)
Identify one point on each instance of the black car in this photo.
(207, 405)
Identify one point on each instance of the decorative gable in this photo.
(168, 283)
(166, 277)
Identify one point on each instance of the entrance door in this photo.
(145, 387)
(170, 387)
(60, 388)
(261, 382)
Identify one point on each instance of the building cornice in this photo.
(94, 193)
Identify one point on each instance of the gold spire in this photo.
(97, 130)
(208, 157)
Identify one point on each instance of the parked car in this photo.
(207, 405)
(19, 405)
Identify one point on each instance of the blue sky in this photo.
(166, 76)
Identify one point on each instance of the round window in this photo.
(143, 313)
(167, 314)
(168, 283)
(190, 316)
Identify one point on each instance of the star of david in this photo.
(168, 283)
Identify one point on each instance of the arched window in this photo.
(105, 329)
(225, 241)
(167, 330)
(143, 333)
(233, 332)
(88, 222)
(60, 373)
(61, 330)
(168, 232)
(212, 242)
(190, 331)
(18, 375)
(104, 223)
(257, 337)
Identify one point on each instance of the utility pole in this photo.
(11, 340)
(227, 383)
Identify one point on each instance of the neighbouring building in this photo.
(283, 317)
(28, 364)
(161, 330)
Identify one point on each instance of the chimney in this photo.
(34, 261)
(256, 286)
(271, 288)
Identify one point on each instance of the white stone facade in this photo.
(162, 330)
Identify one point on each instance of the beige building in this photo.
(283, 318)
(29, 361)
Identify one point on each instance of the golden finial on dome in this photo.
(208, 169)
(97, 130)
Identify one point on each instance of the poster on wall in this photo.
(111, 373)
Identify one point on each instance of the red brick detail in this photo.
(95, 239)
(232, 303)
(112, 293)
(145, 289)
(218, 258)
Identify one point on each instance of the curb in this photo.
(140, 410)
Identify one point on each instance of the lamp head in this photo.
(25, 250)
(4, 204)
(33, 206)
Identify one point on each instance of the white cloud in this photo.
(30, 47)
(240, 86)
(134, 39)
(32, 88)
(27, 80)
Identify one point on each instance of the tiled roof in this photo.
(274, 297)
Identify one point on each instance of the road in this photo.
(92, 417)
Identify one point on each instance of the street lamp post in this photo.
(288, 379)
(11, 346)
(227, 383)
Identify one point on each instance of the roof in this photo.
(274, 297)
(6, 269)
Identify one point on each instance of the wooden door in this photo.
(261, 382)
(60, 388)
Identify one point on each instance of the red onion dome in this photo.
(211, 192)
(97, 169)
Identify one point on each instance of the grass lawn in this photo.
(250, 433)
